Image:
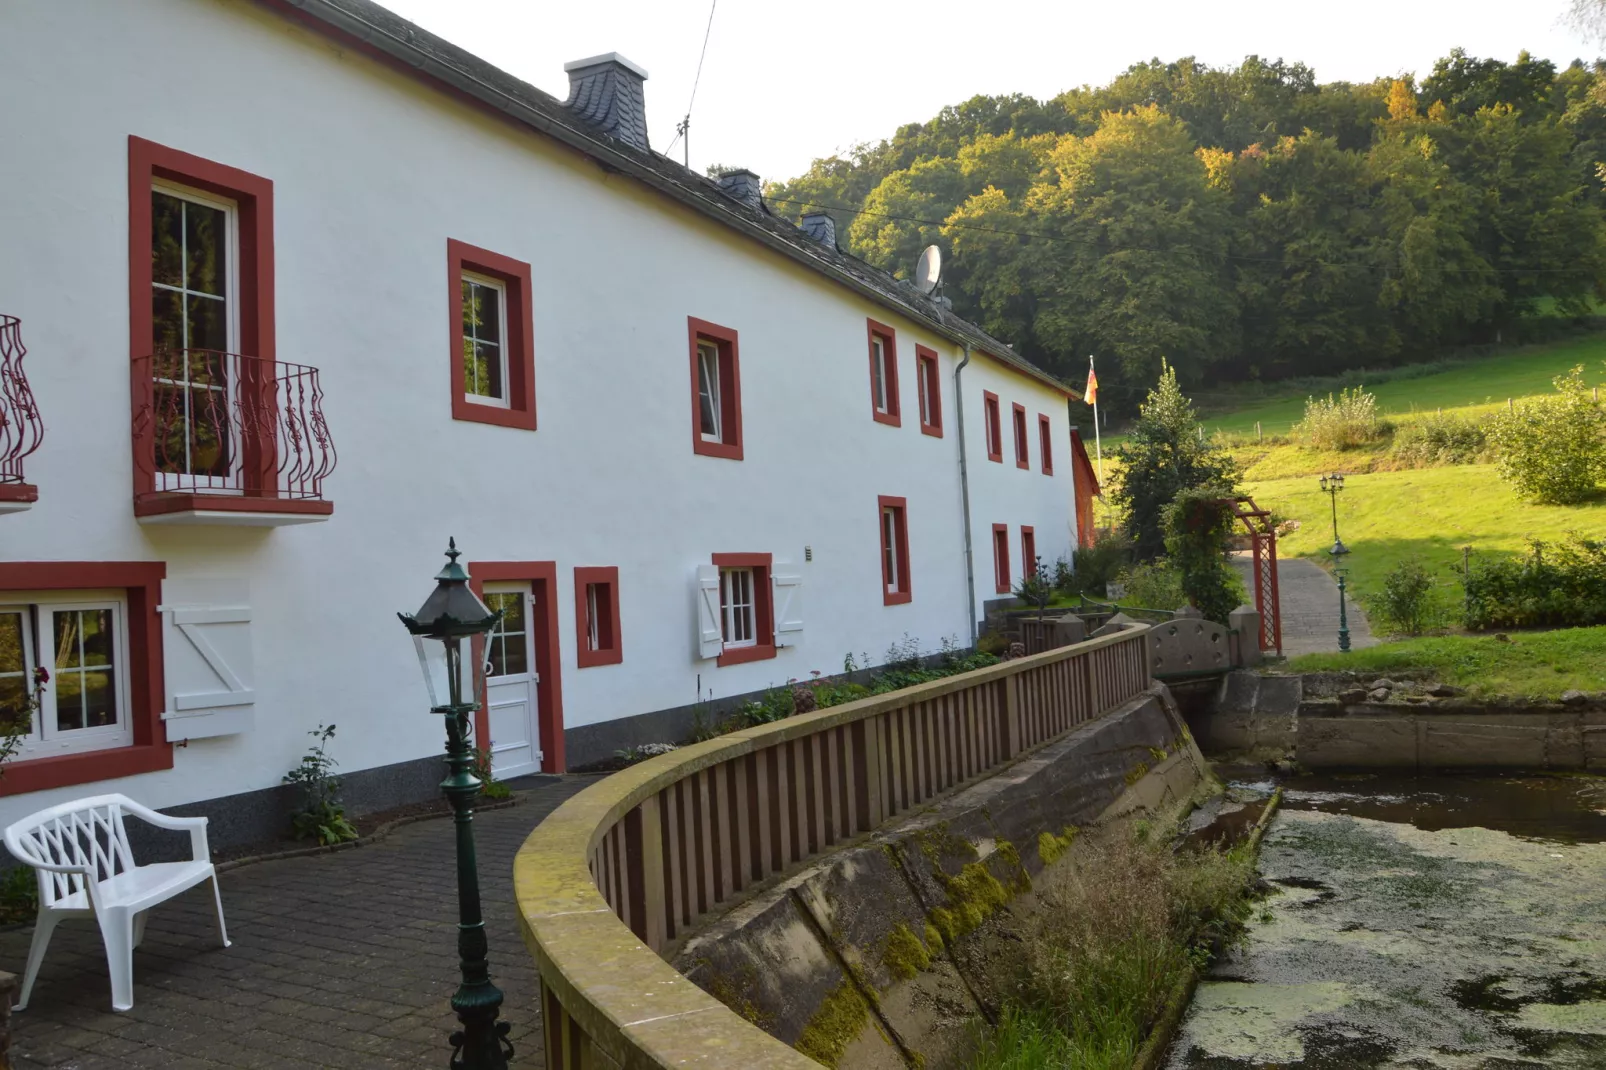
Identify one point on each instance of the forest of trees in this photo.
(1245, 223)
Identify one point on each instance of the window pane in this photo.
(708, 390)
(167, 322)
(100, 699)
(208, 323)
(482, 312)
(11, 659)
(167, 238)
(476, 377)
(210, 432)
(97, 636)
(67, 640)
(515, 655)
(69, 700)
(878, 384)
(488, 366)
(204, 234)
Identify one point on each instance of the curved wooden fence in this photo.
(621, 870)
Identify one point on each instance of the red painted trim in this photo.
(186, 502)
(1045, 443)
(763, 608)
(611, 652)
(1001, 558)
(253, 197)
(141, 583)
(926, 371)
(893, 417)
(542, 576)
(18, 492)
(730, 390)
(1028, 551)
(1022, 447)
(992, 426)
(520, 343)
(905, 592)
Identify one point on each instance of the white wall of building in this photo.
(372, 174)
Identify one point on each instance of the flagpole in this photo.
(1098, 438)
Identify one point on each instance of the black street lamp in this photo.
(1343, 618)
(1332, 485)
(449, 615)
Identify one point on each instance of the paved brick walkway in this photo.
(1310, 607)
(341, 960)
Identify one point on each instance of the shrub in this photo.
(490, 787)
(1406, 602)
(1198, 526)
(1553, 449)
(1034, 587)
(1096, 565)
(321, 816)
(1342, 423)
(1155, 585)
(1554, 585)
(19, 895)
(1440, 440)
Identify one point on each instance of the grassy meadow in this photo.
(1532, 664)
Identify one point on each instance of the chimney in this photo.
(821, 227)
(742, 185)
(606, 92)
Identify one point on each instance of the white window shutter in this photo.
(787, 584)
(710, 636)
(207, 662)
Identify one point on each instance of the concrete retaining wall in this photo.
(859, 960)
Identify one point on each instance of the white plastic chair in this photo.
(79, 851)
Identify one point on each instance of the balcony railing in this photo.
(213, 423)
(21, 430)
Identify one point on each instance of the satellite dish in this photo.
(928, 271)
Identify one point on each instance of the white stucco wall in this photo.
(372, 174)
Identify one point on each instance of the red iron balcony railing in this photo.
(21, 430)
(223, 423)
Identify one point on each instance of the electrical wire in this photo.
(685, 124)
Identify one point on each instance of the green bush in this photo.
(1440, 440)
(321, 816)
(1155, 585)
(1554, 585)
(1406, 604)
(1553, 449)
(1197, 527)
(1346, 422)
(1096, 565)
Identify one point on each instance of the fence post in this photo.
(1012, 727)
(650, 860)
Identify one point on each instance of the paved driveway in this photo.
(342, 960)
(1310, 607)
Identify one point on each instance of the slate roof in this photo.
(413, 48)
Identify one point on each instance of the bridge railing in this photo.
(620, 871)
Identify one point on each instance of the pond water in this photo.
(1455, 922)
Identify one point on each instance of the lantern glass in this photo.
(432, 661)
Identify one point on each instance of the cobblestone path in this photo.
(339, 960)
(1310, 607)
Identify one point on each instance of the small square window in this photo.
(741, 613)
(716, 391)
(930, 386)
(1045, 443)
(991, 424)
(81, 642)
(895, 586)
(1022, 459)
(484, 341)
(884, 404)
(596, 617)
(493, 353)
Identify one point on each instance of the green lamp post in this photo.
(451, 614)
(1343, 618)
(1331, 485)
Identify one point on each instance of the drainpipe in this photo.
(964, 497)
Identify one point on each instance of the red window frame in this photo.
(931, 402)
(1022, 448)
(542, 576)
(1028, 551)
(1001, 559)
(141, 584)
(608, 651)
(253, 199)
(515, 275)
(1045, 442)
(992, 426)
(763, 608)
(904, 593)
(730, 390)
(893, 417)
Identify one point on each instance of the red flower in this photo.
(41, 676)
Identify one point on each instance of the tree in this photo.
(1553, 449)
(1164, 456)
(1198, 523)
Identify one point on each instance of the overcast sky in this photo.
(778, 90)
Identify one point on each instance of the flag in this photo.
(1091, 394)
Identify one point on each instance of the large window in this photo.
(884, 404)
(80, 641)
(492, 329)
(1045, 443)
(736, 608)
(596, 608)
(1022, 457)
(930, 386)
(895, 587)
(992, 427)
(716, 386)
(1001, 576)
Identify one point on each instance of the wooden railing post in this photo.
(649, 864)
(1012, 728)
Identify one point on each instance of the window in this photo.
(746, 613)
(1045, 443)
(1021, 458)
(716, 391)
(81, 641)
(884, 375)
(1028, 552)
(895, 587)
(492, 329)
(507, 648)
(994, 430)
(484, 331)
(1001, 559)
(930, 386)
(596, 621)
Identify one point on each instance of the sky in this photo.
(780, 88)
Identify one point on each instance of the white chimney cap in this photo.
(606, 57)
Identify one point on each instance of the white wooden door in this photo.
(510, 679)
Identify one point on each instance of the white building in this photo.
(696, 451)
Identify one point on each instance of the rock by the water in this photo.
(1350, 696)
(1574, 698)
(1379, 694)
(1385, 683)
(1445, 691)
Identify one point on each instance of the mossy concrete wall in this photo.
(1333, 721)
(860, 958)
